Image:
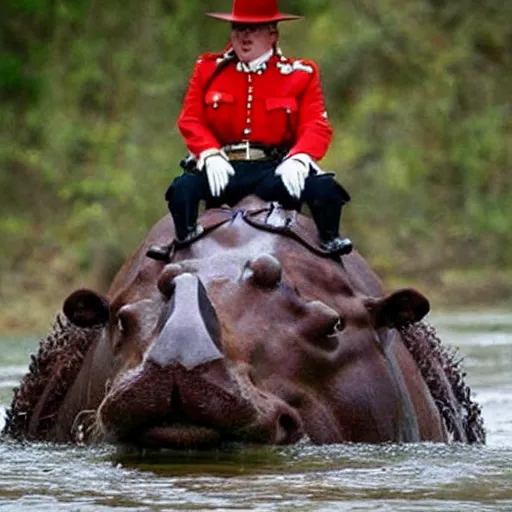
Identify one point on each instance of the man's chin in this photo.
(246, 55)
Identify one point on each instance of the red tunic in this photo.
(281, 105)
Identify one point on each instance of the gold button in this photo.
(247, 131)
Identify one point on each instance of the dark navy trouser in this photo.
(323, 195)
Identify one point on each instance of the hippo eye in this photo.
(124, 325)
(125, 320)
(320, 320)
(338, 326)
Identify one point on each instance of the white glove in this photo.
(218, 170)
(294, 171)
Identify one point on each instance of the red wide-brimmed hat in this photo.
(254, 11)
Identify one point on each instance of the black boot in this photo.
(183, 205)
(337, 245)
(192, 234)
(160, 252)
(164, 252)
(327, 216)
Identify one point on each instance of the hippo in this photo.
(250, 333)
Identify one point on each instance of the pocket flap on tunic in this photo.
(289, 104)
(218, 97)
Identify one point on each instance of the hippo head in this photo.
(245, 336)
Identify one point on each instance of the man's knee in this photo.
(273, 189)
(324, 187)
(183, 187)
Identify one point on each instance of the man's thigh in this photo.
(189, 184)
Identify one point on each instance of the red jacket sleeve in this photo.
(191, 121)
(314, 133)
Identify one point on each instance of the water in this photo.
(412, 478)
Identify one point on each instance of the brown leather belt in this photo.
(246, 151)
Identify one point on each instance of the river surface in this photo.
(388, 477)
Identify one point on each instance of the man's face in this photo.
(252, 40)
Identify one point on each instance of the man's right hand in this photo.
(218, 170)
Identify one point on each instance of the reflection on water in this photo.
(423, 477)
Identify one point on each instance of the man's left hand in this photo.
(293, 171)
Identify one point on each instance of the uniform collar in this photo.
(256, 65)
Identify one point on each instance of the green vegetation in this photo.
(418, 92)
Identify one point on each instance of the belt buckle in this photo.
(244, 151)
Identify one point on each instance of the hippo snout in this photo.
(180, 408)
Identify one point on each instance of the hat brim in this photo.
(253, 19)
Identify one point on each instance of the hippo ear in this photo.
(86, 308)
(400, 308)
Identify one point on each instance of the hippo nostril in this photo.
(166, 286)
(166, 282)
(286, 422)
(289, 430)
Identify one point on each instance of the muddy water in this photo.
(412, 478)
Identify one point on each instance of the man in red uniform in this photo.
(254, 122)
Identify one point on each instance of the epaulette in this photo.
(208, 57)
(217, 57)
(292, 65)
(229, 54)
(287, 65)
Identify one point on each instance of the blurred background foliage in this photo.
(419, 92)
